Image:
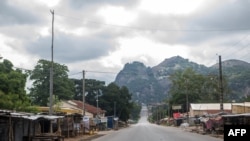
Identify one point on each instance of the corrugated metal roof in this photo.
(247, 104)
(13, 113)
(29, 116)
(210, 106)
(237, 115)
(88, 107)
(48, 117)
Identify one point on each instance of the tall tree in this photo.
(92, 89)
(189, 86)
(110, 97)
(135, 111)
(117, 100)
(125, 104)
(12, 88)
(186, 87)
(63, 87)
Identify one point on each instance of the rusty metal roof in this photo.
(29, 116)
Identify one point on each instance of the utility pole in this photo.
(187, 102)
(221, 86)
(114, 109)
(83, 93)
(51, 69)
(169, 108)
(97, 111)
(51, 74)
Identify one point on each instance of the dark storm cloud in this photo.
(13, 15)
(68, 48)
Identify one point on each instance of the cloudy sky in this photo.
(101, 36)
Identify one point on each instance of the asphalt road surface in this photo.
(145, 131)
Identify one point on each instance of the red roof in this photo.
(88, 107)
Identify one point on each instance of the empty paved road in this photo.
(145, 131)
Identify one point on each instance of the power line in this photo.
(167, 30)
(237, 43)
(22, 69)
(234, 45)
(246, 53)
(157, 29)
(75, 73)
(92, 72)
(101, 72)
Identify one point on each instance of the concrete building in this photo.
(208, 108)
(240, 108)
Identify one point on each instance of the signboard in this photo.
(176, 115)
(176, 107)
(97, 120)
(104, 119)
(86, 122)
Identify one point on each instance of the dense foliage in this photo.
(63, 87)
(12, 88)
(191, 87)
(92, 89)
(112, 98)
(158, 112)
(115, 100)
(135, 111)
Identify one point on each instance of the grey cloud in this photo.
(68, 48)
(12, 15)
(215, 20)
(225, 15)
(163, 28)
(84, 12)
(223, 19)
(85, 3)
(24, 32)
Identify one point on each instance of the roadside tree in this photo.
(63, 88)
(12, 88)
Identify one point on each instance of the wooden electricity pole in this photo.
(221, 86)
(83, 93)
(51, 69)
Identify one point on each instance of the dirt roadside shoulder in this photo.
(88, 137)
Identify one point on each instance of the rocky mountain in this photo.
(151, 84)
